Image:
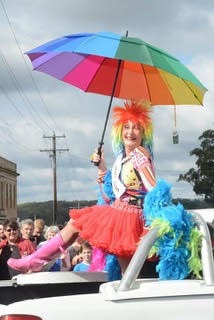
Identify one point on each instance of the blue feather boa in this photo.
(176, 226)
(106, 190)
(112, 267)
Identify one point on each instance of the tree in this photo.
(202, 178)
(44, 210)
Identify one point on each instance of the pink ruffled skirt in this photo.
(115, 229)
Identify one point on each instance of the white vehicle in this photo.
(207, 214)
(132, 298)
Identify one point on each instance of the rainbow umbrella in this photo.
(118, 66)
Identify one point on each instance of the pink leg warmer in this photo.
(36, 260)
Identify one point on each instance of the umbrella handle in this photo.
(108, 112)
(96, 163)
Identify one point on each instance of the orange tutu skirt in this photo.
(115, 229)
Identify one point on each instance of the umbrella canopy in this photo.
(122, 67)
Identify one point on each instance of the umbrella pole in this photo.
(109, 108)
(110, 102)
(108, 112)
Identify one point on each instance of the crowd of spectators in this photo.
(23, 238)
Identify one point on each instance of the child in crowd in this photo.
(86, 252)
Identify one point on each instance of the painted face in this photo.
(131, 135)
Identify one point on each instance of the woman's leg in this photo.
(52, 249)
(123, 262)
(69, 233)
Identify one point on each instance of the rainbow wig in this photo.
(137, 112)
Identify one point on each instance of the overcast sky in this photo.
(33, 104)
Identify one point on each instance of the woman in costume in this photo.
(114, 228)
(130, 203)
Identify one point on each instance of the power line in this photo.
(53, 152)
(30, 74)
(24, 98)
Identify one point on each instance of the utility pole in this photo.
(53, 155)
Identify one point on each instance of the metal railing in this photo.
(147, 242)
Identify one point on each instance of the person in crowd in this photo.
(74, 252)
(61, 263)
(117, 225)
(86, 253)
(2, 234)
(26, 228)
(38, 232)
(12, 246)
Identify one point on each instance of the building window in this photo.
(1, 195)
(14, 196)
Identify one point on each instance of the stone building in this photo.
(8, 189)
